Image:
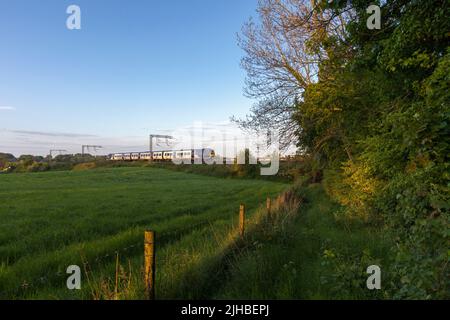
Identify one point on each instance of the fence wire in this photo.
(45, 279)
(40, 281)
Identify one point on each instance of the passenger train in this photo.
(195, 155)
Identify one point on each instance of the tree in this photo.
(282, 57)
(6, 158)
(372, 109)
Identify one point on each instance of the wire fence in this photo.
(27, 285)
(38, 282)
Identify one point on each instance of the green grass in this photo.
(51, 220)
(314, 257)
(55, 219)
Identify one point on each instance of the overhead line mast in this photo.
(151, 143)
(55, 150)
(87, 147)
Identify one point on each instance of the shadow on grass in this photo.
(205, 278)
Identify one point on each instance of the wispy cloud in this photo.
(53, 134)
(7, 108)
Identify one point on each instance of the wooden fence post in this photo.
(149, 267)
(242, 220)
(116, 287)
(268, 206)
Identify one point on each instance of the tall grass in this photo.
(311, 257)
(194, 266)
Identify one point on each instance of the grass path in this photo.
(314, 257)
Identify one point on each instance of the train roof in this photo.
(127, 152)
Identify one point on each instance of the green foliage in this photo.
(38, 167)
(417, 207)
(312, 257)
(5, 159)
(378, 121)
(85, 166)
(27, 164)
(345, 273)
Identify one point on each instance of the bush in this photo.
(416, 208)
(38, 167)
(84, 166)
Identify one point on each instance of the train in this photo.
(195, 155)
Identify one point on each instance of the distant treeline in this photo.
(289, 170)
(30, 163)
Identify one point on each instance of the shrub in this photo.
(84, 166)
(38, 167)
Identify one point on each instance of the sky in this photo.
(135, 68)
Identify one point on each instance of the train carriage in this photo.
(145, 156)
(194, 155)
(168, 155)
(117, 156)
(135, 156)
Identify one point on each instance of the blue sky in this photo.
(135, 67)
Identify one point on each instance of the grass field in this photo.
(55, 219)
(314, 256)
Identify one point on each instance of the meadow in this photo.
(96, 219)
